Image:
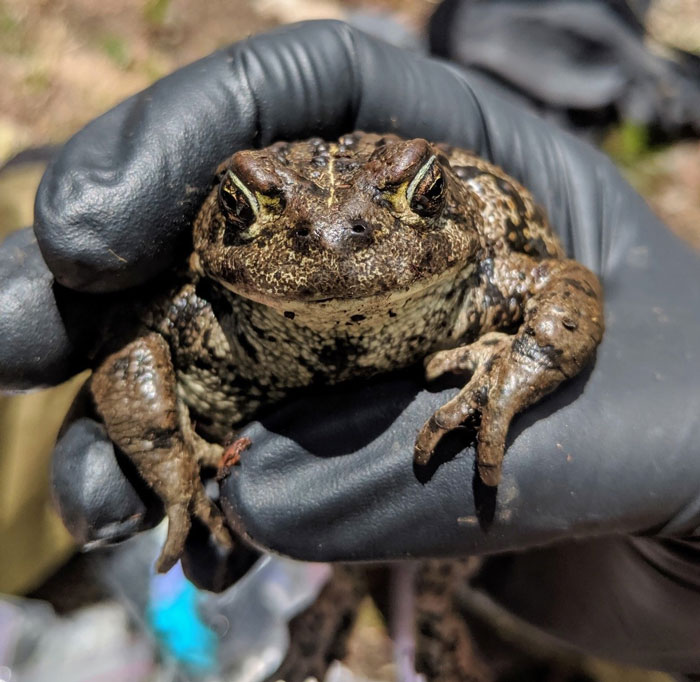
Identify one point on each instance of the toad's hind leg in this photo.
(135, 394)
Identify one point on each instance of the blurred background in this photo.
(623, 74)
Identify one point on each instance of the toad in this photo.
(317, 262)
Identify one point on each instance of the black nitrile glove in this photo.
(612, 453)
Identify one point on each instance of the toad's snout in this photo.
(339, 235)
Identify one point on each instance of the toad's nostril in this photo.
(360, 227)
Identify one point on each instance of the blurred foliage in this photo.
(628, 144)
(667, 175)
(117, 49)
(17, 189)
(37, 80)
(11, 32)
(156, 11)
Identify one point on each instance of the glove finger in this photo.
(211, 567)
(40, 341)
(97, 492)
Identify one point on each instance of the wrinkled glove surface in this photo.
(612, 452)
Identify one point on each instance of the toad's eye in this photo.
(237, 203)
(426, 192)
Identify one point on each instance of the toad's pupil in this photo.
(235, 206)
(434, 192)
(429, 195)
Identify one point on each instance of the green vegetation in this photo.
(640, 161)
(628, 143)
(11, 32)
(117, 50)
(155, 11)
(37, 80)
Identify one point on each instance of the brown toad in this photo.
(317, 262)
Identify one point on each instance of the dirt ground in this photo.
(66, 61)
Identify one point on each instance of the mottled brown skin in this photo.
(317, 262)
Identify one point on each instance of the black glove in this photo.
(612, 452)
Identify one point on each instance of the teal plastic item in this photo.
(174, 617)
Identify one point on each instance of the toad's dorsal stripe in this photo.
(331, 178)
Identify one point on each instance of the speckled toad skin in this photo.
(317, 262)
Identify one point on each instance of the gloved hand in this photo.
(612, 452)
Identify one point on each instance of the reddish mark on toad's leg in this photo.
(232, 456)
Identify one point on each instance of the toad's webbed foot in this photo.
(135, 393)
(485, 397)
(562, 325)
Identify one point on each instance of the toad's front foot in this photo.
(135, 393)
(562, 325)
(487, 400)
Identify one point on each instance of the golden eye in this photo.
(237, 203)
(426, 192)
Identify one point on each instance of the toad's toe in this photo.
(178, 529)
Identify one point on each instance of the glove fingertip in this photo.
(212, 567)
(36, 349)
(99, 498)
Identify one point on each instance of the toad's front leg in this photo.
(135, 394)
(562, 323)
